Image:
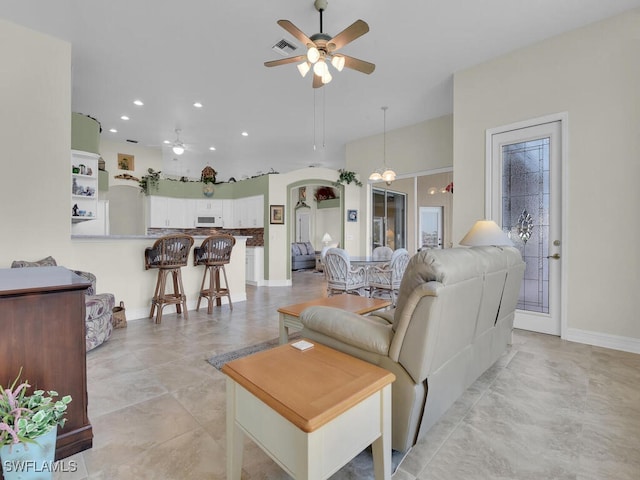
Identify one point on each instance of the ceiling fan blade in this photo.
(296, 32)
(349, 34)
(284, 61)
(359, 65)
(317, 81)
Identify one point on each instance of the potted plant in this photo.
(149, 181)
(346, 177)
(28, 430)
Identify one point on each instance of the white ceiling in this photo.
(171, 54)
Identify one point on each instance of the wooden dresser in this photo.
(42, 330)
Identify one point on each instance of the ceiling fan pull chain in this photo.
(324, 115)
(314, 120)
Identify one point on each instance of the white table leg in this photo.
(235, 436)
(284, 330)
(381, 447)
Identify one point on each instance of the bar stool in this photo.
(214, 254)
(168, 255)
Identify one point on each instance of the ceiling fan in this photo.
(322, 48)
(178, 146)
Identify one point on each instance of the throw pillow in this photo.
(45, 262)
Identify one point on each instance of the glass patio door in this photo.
(389, 219)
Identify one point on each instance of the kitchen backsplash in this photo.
(256, 234)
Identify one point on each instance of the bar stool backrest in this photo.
(169, 251)
(215, 250)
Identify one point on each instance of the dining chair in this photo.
(385, 279)
(382, 253)
(341, 276)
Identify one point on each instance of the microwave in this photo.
(208, 220)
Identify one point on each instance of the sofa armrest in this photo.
(352, 329)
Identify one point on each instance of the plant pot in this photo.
(30, 461)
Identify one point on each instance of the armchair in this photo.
(99, 307)
(386, 278)
(341, 276)
(99, 313)
(453, 320)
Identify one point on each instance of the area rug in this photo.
(219, 360)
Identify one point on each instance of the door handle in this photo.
(555, 256)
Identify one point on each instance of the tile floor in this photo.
(547, 409)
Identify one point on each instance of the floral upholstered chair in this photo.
(99, 308)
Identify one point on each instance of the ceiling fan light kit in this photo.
(178, 146)
(322, 47)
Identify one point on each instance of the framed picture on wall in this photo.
(276, 214)
(126, 161)
(352, 215)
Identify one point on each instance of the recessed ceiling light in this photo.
(245, 134)
(138, 103)
(197, 105)
(113, 130)
(124, 117)
(166, 142)
(212, 148)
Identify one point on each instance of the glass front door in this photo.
(526, 201)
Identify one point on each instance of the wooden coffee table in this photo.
(290, 315)
(311, 411)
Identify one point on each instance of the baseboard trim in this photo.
(605, 340)
(277, 283)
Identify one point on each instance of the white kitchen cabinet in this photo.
(169, 212)
(228, 217)
(84, 186)
(255, 266)
(209, 207)
(249, 212)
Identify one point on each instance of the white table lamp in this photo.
(486, 233)
(326, 239)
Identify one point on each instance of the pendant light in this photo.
(386, 174)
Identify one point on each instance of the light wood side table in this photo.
(289, 316)
(311, 411)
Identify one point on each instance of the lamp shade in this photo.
(326, 238)
(485, 233)
(338, 62)
(304, 68)
(375, 176)
(313, 55)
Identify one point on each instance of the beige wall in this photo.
(144, 158)
(35, 185)
(593, 74)
(35, 128)
(278, 263)
(420, 148)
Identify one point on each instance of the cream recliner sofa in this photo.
(453, 320)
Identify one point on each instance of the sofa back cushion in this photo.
(302, 248)
(447, 298)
